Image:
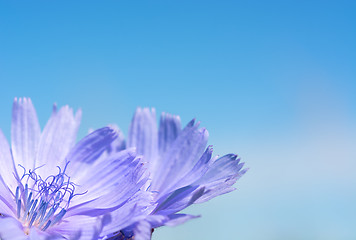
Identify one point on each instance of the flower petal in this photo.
(7, 169)
(143, 135)
(88, 150)
(180, 158)
(142, 231)
(58, 136)
(78, 228)
(178, 200)
(164, 220)
(115, 190)
(169, 129)
(119, 143)
(11, 229)
(121, 173)
(132, 212)
(7, 202)
(222, 174)
(25, 133)
(36, 234)
(177, 219)
(199, 169)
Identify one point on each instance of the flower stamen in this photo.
(43, 203)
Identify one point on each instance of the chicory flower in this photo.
(182, 169)
(52, 188)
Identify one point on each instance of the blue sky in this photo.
(273, 81)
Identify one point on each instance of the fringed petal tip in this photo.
(196, 124)
(116, 129)
(243, 171)
(20, 100)
(145, 110)
(54, 108)
(191, 123)
(168, 116)
(110, 130)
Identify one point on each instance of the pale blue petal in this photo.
(58, 137)
(169, 129)
(88, 150)
(134, 210)
(223, 168)
(142, 231)
(119, 143)
(222, 174)
(179, 159)
(199, 169)
(11, 229)
(143, 134)
(110, 183)
(78, 228)
(7, 202)
(25, 133)
(165, 220)
(36, 234)
(177, 219)
(122, 218)
(7, 169)
(216, 189)
(178, 200)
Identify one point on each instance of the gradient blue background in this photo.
(274, 81)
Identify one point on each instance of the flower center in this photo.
(42, 202)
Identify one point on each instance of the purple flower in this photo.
(52, 188)
(182, 169)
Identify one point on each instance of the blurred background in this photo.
(273, 81)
